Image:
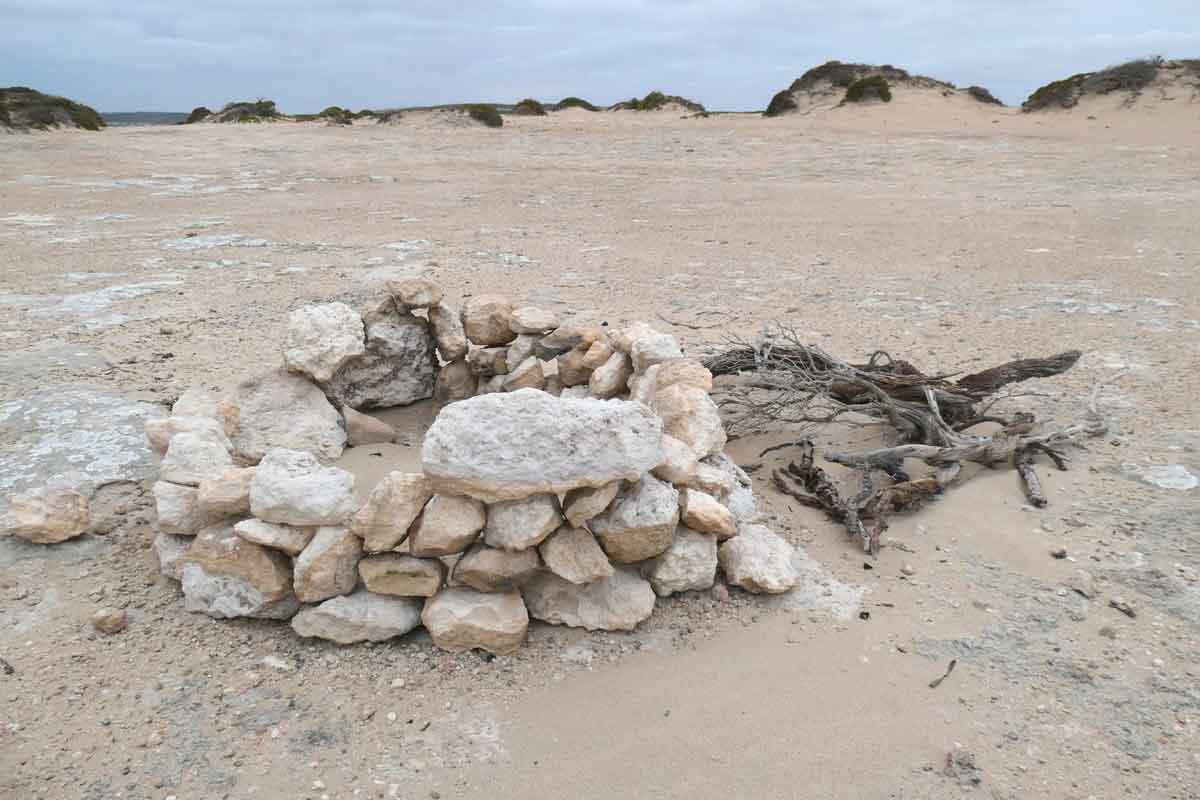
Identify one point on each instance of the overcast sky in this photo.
(172, 55)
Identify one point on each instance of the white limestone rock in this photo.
(398, 368)
(574, 555)
(640, 523)
(194, 457)
(654, 349)
(415, 292)
(616, 603)
(286, 538)
(581, 505)
(402, 575)
(532, 319)
(692, 417)
(690, 564)
(170, 549)
(320, 338)
(448, 525)
(758, 561)
(624, 338)
(279, 409)
(521, 524)
(362, 616)
(293, 488)
(512, 445)
(197, 401)
(161, 430)
(610, 378)
(384, 520)
(178, 509)
(679, 462)
(461, 619)
(225, 576)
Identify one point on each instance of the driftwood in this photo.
(783, 380)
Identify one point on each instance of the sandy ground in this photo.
(143, 260)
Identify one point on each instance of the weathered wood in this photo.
(1023, 461)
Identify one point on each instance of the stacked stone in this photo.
(573, 475)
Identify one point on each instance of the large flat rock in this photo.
(508, 446)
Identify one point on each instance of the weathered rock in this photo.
(516, 444)
(679, 462)
(178, 509)
(623, 338)
(487, 569)
(571, 369)
(47, 515)
(415, 292)
(293, 488)
(488, 361)
(359, 617)
(640, 523)
(170, 549)
(194, 457)
(596, 355)
(713, 480)
(580, 392)
(448, 525)
(701, 512)
(463, 619)
(398, 368)
(278, 409)
(521, 349)
(320, 338)
(683, 372)
(110, 620)
(531, 319)
(580, 505)
(364, 429)
(402, 575)
(383, 522)
(568, 337)
(616, 603)
(487, 320)
(455, 381)
(654, 349)
(739, 496)
(228, 495)
(491, 385)
(574, 555)
(287, 538)
(690, 564)
(758, 561)
(328, 566)
(225, 576)
(529, 374)
(197, 401)
(553, 385)
(521, 524)
(609, 379)
(159, 432)
(448, 331)
(691, 416)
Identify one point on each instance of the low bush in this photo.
(1131, 76)
(870, 88)
(22, 107)
(781, 103)
(574, 102)
(983, 95)
(199, 113)
(529, 108)
(336, 114)
(656, 100)
(485, 113)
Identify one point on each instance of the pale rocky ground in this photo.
(140, 261)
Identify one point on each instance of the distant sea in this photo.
(120, 118)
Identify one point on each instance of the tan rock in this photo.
(616, 603)
(170, 549)
(650, 350)
(640, 523)
(684, 372)
(487, 569)
(279, 409)
(159, 431)
(691, 416)
(643, 384)
(532, 319)
(448, 331)
(487, 320)
(491, 385)
(521, 524)
(623, 338)
(758, 561)
(196, 401)
(402, 575)
(286, 538)
(702, 512)
(226, 496)
(415, 292)
(521, 348)
(553, 385)
(712, 480)
(571, 369)
(110, 620)
(47, 515)
(178, 509)
(527, 375)
(488, 361)
(568, 337)
(610, 378)
(690, 564)
(293, 488)
(328, 566)
(361, 616)
(455, 382)
(599, 352)
(194, 457)
(448, 525)
(574, 555)
(463, 619)
(362, 429)
(679, 463)
(581, 504)
(384, 521)
(226, 576)
(320, 338)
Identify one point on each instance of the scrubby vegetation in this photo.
(199, 114)
(842, 76)
(529, 108)
(1131, 76)
(246, 112)
(337, 114)
(23, 108)
(574, 102)
(873, 87)
(781, 103)
(656, 100)
(485, 113)
(983, 95)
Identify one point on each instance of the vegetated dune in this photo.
(1152, 86)
(25, 109)
(453, 116)
(836, 85)
(241, 111)
(659, 101)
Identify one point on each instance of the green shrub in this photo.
(983, 95)
(198, 114)
(656, 100)
(1132, 77)
(485, 113)
(869, 88)
(574, 102)
(530, 108)
(782, 102)
(336, 114)
(22, 107)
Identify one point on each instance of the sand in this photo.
(143, 260)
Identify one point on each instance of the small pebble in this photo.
(110, 620)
